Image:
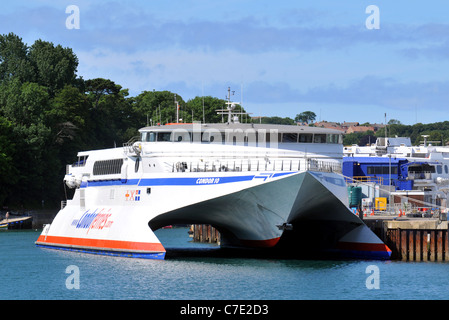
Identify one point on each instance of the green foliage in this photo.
(8, 176)
(158, 107)
(359, 138)
(14, 60)
(55, 66)
(211, 105)
(274, 120)
(306, 116)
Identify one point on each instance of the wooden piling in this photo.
(426, 239)
(432, 245)
(206, 233)
(446, 245)
(439, 245)
(411, 245)
(418, 245)
(404, 243)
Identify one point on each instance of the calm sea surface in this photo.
(29, 272)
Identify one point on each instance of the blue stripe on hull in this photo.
(183, 181)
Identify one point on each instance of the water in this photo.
(30, 273)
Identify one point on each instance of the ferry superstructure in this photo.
(264, 186)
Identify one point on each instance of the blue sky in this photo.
(281, 57)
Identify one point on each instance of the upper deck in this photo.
(240, 134)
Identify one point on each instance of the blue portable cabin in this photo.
(378, 169)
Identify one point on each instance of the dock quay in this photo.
(204, 233)
(411, 238)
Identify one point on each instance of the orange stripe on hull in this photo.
(100, 244)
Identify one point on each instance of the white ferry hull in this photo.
(116, 231)
(250, 209)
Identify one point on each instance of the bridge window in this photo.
(319, 138)
(163, 136)
(305, 138)
(289, 137)
(148, 136)
(333, 138)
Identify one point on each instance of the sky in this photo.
(280, 58)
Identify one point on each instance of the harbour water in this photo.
(32, 273)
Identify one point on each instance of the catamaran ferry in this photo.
(261, 186)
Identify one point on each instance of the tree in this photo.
(9, 174)
(211, 105)
(99, 87)
(14, 60)
(55, 66)
(275, 120)
(305, 116)
(394, 121)
(23, 104)
(69, 116)
(110, 111)
(157, 106)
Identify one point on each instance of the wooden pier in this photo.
(16, 223)
(413, 239)
(205, 233)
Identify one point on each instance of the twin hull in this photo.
(301, 212)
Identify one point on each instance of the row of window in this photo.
(382, 170)
(235, 136)
(113, 166)
(412, 169)
(429, 169)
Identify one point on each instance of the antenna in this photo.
(230, 108)
(202, 93)
(177, 110)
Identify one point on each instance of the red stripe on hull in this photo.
(261, 243)
(100, 244)
(363, 246)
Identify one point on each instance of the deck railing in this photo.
(255, 165)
